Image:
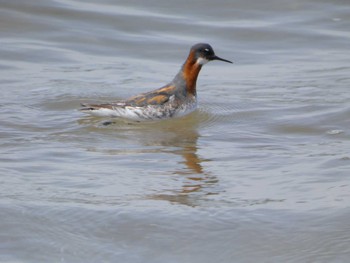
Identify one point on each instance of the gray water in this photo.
(259, 173)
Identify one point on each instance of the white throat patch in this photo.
(202, 61)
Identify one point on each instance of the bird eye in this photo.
(206, 50)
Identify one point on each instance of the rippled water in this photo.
(259, 173)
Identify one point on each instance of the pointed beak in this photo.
(218, 58)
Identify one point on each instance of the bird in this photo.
(176, 99)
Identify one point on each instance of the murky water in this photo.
(259, 173)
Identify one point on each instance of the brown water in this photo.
(259, 173)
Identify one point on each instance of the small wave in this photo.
(212, 114)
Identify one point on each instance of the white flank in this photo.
(131, 113)
(148, 113)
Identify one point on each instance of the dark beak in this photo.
(218, 58)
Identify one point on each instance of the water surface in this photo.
(259, 173)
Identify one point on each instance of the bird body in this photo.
(175, 99)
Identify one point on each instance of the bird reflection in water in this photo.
(184, 139)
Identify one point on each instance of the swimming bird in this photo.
(176, 99)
